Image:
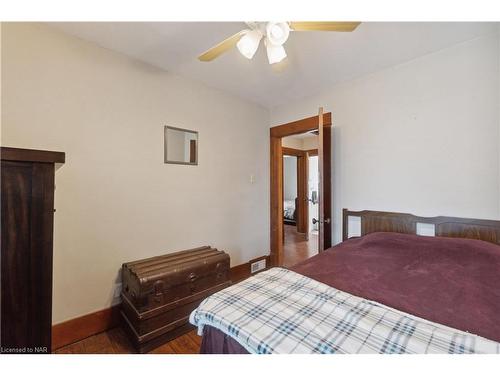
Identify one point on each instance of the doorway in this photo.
(320, 227)
(300, 197)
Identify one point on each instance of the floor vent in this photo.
(258, 266)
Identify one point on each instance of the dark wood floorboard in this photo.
(296, 248)
(115, 341)
(119, 341)
(75, 348)
(184, 345)
(165, 349)
(194, 336)
(99, 344)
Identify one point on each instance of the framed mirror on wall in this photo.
(181, 146)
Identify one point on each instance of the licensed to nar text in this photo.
(24, 350)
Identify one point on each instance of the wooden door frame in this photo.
(303, 212)
(276, 177)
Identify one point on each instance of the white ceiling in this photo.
(303, 136)
(316, 60)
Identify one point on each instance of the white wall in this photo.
(116, 200)
(308, 143)
(422, 137)
(292, 142)
(176, 145)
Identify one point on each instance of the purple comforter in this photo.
(455, 282)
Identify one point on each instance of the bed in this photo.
(290, 212)
(450, 280)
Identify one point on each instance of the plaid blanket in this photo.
(280, 311)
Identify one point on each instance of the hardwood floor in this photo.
(296, 248)
(115, 341)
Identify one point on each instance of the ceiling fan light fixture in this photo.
(277, 32)
(275, 54)
(249, 43)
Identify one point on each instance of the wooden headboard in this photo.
(379, 221)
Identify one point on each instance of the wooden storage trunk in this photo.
(159, 293)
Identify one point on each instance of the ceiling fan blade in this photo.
(324, 26)
(222, 47)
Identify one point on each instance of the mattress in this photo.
(449, 281)
(289, 209)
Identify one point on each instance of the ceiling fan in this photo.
(275, 34)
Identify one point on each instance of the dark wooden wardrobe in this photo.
(27, 200)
